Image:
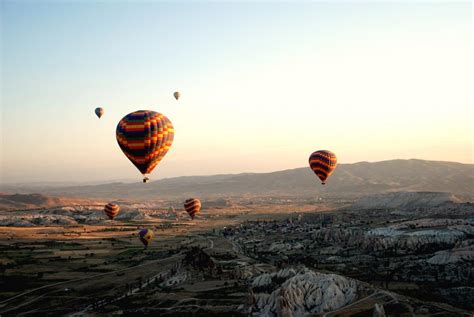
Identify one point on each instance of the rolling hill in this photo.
(349, 180)
(33, 201)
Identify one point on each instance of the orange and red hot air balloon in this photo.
(111, 210)
(323, 163)
(145, 137)
(192, 206)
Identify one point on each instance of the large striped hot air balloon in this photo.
(99, 112)
(145, 137)
(323, 163)
(111, 210)
(192, 206)
(145, 236)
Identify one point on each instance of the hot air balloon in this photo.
(111, 210)
(323, 163)
(99, 112)
(145, 137)
(192, 206)
(145, 236)
(176, 95)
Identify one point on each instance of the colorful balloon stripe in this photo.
(192, 206)
(145, 137)
(111, 210)
(323, 163)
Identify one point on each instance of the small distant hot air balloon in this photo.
(145, 137)
(323, 163)
(99, 112)
(176, 95)
(192, 206)
(111, 210)
(145, 236)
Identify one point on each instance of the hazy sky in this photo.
(263, 84)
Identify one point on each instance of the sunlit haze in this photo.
(263, 84)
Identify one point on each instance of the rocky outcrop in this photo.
(404, 242)
(135, 215)
(378, 310)
(299, 293)
(36, 220)
(80, 214)
(247, 271)
(199, 259)
(175, 280)
(452, 256)
(430, 223)
(15, 222)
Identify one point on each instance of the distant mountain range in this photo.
(349, 180)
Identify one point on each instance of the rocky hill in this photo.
(302, 293)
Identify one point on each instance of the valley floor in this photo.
(241, 261)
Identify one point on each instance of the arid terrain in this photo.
(392, 253)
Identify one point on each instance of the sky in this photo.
(263, 84)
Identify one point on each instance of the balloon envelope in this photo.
(192, 206)
(145, 236)
(99, 112)
(111, 210)
(145, 137)
(323, 163)
(176, 95)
